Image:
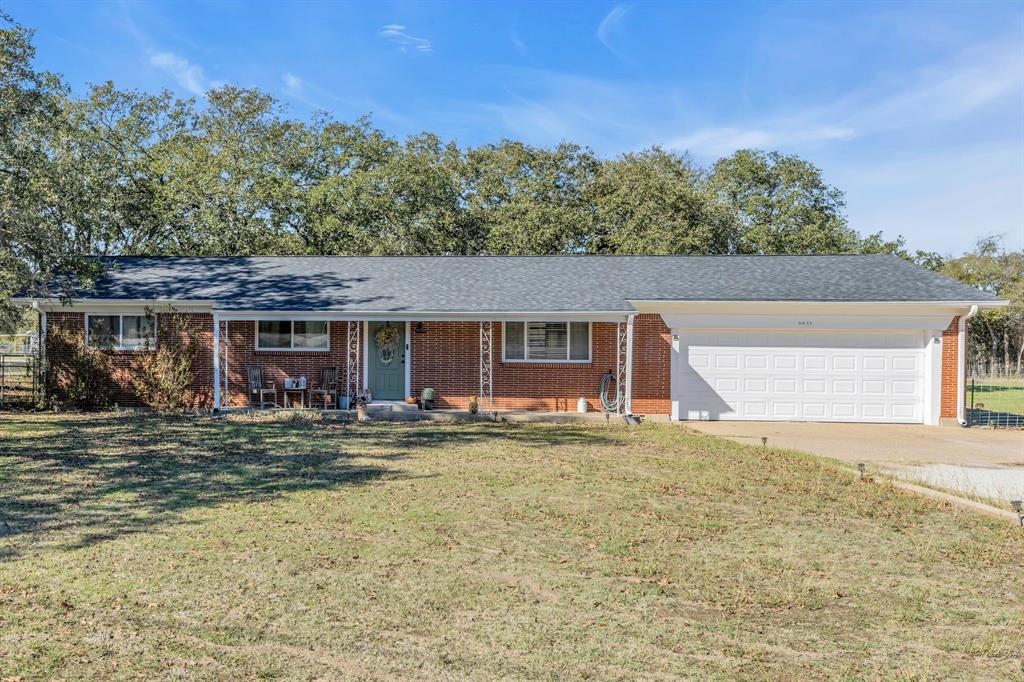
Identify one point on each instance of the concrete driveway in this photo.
(892, 444)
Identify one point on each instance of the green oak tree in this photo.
(522, 199)
(657, 202)
(783, 204)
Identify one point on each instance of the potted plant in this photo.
(427, 396)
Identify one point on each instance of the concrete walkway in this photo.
(893, 444)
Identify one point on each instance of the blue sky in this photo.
(916, 110)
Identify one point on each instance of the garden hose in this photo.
(609, 404)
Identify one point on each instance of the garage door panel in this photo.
(904, 387)
(815, 410)
(755, 385)
(756, 408)
(756, 361)
(844, 363)
(815, 363)
(844, 386)
(873, 363)
(873, 387)
(905, 411)
(904, 363)
(808, 376)
(785, 362)
(815, 386)
(844, 410)
(727, 384)
(727, 361)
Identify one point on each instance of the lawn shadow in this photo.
(100, 477)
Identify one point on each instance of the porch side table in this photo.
(300, 391)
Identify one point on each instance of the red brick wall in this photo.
(66, 334)
(949, 387)
(241, 351)
(446, 357)
(652, 365)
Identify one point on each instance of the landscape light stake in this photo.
(860, 468)
(1016, 504)
(764, 441)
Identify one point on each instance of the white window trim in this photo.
(256, 331)
(568, 345)
(120, 330)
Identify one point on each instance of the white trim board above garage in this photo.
(804, 316)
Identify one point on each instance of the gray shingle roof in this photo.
(455, 284)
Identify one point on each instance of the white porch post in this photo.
(41, 370)
(620, 367)
(352, 385)
(486, 363)
(227, 370)
(216, 361)
(629, 364)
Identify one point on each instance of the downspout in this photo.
(961, 366)
(628, 397)
(216, 363)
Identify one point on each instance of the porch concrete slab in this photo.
(377, 413)
(532, 416)
(894, 444)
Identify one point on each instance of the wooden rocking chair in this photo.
(258, 389)
(327, 391)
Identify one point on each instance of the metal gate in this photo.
(20, 385)
(996, 401)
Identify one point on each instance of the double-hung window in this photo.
(121, 332)
(546, 342)
(292, 335)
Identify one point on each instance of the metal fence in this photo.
(18, 344)
(995, 398)
(19, 380)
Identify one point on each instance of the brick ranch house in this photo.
(805, 338)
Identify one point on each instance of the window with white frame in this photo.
(121, 332)
(546, 342)
(292, 335)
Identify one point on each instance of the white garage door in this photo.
(815, 376)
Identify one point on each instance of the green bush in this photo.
(163, 375)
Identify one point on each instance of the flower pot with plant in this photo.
(427, 396)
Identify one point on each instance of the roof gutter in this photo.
(961, 366)
(998, 303)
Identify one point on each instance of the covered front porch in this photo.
(388, 359)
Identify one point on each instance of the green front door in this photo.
(386, 376)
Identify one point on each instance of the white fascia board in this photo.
(381, 316)
(99, 305)
(872, 308)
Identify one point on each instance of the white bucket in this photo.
(581, 405)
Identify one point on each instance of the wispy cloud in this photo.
(187, 75)
(518, 43)
(720, 141)
(397, 34)
(543, 107)
(934, 96)
(317, 97)
(297, 89)
(608, 26)
(292, 84)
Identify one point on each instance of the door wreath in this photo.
(387, 342)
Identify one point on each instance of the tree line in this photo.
(123, 172)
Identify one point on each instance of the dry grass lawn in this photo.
(144, 547)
